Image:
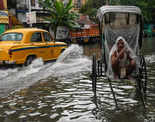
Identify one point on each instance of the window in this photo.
(36, 37)
(47, 37)
(11, 37)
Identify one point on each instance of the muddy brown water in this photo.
(62, 91)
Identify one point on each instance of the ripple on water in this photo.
(54, 116)
(80, 118)
(34, 114)
(9, 112)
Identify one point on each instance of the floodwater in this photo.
(62, 92)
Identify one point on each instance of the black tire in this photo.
(62, 50)
(29, 60)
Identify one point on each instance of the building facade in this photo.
(78, 4)
(4, 17)
(19, 8)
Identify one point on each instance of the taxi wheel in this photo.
(29, 60)
(62, 50)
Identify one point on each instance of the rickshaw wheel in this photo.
(94, 73)
(142, 78)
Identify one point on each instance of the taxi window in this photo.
(47, 37)
(11, 37)
(36, 37)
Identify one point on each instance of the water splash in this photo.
(73, 52)
(71, 61)
(150, 59)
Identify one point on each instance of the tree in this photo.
(60, 14)
(90, 8)
(145, 5)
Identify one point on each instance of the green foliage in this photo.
(90, 8)
(46, 3)
(60, 14)
(145, 5)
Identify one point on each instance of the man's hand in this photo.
(121, 53)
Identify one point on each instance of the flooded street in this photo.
(61, 91)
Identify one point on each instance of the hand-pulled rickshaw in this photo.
(121, 32)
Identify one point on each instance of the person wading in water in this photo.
(122, 61)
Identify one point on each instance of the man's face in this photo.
(120, 44)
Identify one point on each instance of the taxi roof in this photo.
(25, 30)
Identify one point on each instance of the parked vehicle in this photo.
(85, 35)
(22, 46)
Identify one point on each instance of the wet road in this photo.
(61, 91)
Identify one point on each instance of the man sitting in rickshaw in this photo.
(122, 59)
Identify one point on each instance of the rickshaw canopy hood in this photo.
(105, 9)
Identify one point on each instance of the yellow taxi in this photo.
(22, 46)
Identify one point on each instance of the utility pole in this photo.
(29, 2)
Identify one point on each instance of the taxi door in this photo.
(39, 46)
(50, 44)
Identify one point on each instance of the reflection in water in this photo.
(62, 92)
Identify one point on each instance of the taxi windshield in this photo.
(11, 37)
